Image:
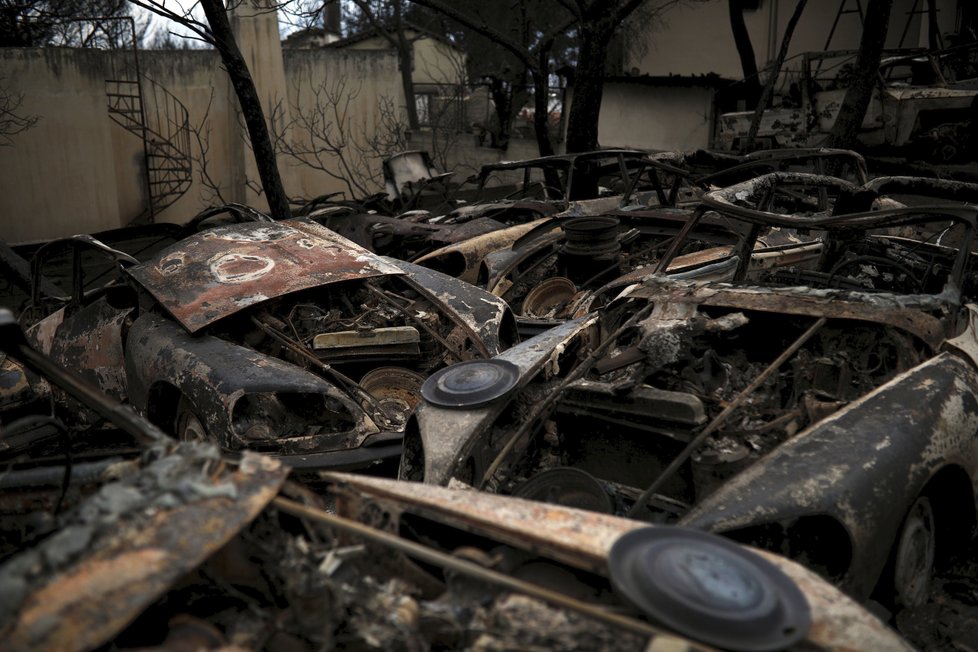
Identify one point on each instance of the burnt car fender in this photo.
(462, 259)
(90, 342)
(451, 443)
(862, 467)
(212, 374)
(487, 318)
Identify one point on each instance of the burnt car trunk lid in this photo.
(219, 272)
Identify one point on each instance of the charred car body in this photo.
(505, 196)
(827, 410)
(273, 336)
(179, 547)
(570, 263)
(916, 104)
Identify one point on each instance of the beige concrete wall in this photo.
(255, 27)
(437, 63)
(196, 78)
(77, 171)
(695, 38)
(434, 62)
(58, 178)
(634, 115)
(339, 94)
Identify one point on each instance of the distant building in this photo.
(438, 72)
(667, 92)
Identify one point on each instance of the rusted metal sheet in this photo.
(82, 586)
(584, 539)
(925, 187)
(91, 341)
(486, 318)
(41, 335)
(576, 537)
(217, 374)
(216, 273)
(966, 343)
(357, 342)
(902, 109)
(16, 387)
(697, 258)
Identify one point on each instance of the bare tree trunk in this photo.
(772, 79)
(244, 87)
(541, 125)
(405, 60)
(541, 103)
(860, 91)
(407, 82)
(933, 32)
(582, 125)
(745, 50)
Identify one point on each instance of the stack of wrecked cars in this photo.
(181, 547)
(786, 360)
(574, 262)
(504, 201)
(824, 406)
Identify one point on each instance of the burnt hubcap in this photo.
(915, 555)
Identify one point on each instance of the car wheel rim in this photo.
(190, 428)
(915, 555)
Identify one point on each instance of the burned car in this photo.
(825, 410)
(503, 196)
(180, 547)
(194, 552)
(282, 337)
(915, 105)
(591, 183)
(573, 263)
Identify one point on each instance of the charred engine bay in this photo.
(665, 380)
(350, 323)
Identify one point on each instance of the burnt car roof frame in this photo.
(723, 202)
(76, 245)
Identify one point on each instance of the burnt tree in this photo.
(534, 58)
(218, 33)
(864, 77)
(751, 86)
(392, 30)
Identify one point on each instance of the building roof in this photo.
(373, 32)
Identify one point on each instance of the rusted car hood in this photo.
(219, 272)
